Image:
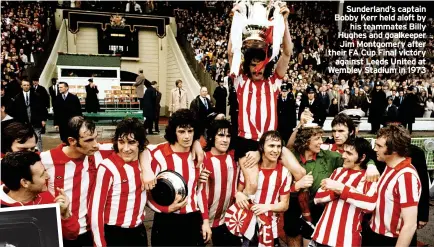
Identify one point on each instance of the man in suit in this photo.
(407, 110)
(149, 101)
(178, 98)
(286, 112)
(29, 108)
(399, 99)
(334, 93)
(67, 106)
(157, 106)
(220, 95)
(391, 114)
(202, 107)
(140, 87)
(42, 92)
(323, 97)
(377, 107)
(54, 91)
(431, 90)
(314, 106)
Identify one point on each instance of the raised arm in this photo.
(282, 64)
(291, 163)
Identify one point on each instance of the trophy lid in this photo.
(169, 185)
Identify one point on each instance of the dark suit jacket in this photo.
(397, 101)
(318, 112)
(149, 102)
(38, 111)
(201, 111)
(391, 114)
(43, 94)
(53, 94)
(324, 99)
(157, 102)
(220, 95)
(408, 108)
(286, 115)
(66, 109)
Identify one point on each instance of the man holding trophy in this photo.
(257, 87)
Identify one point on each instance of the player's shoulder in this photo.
(330, 154)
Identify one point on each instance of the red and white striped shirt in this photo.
(398, 188)
(116, 198)
(258, 105)
(75, 176)
(163, 158)
(221, 186)
(272, 183)
(340, 223)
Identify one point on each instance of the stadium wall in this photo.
(160, 58)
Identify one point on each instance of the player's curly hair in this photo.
(255, 53)
(212, 131)
(398, 139)
(183, 118)
(302, 139)
(130, 126)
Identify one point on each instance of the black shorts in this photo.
(242, 146)
(294, 225)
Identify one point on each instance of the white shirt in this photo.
(26, 96)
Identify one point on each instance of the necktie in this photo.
(205, 103)
(400, 99)
(179, 92)
(27, 99)
(64, 96)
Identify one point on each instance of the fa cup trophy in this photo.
(256, 24)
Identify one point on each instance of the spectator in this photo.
(333, 109)
(429, 109)
(220, 95)
(92, 102)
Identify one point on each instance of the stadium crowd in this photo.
(22, 37)
(313, 35)
(245, 168)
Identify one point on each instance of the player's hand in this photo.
(242, 200)
(284, 10)
(330, 184)
(197, 153)
(305, 182)
(206, 231)
(204, 175)
(148, 179)
(177, 204)
(259, 209)
(306, 116)
(372, 173)
(64, 202)
(252, 159)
